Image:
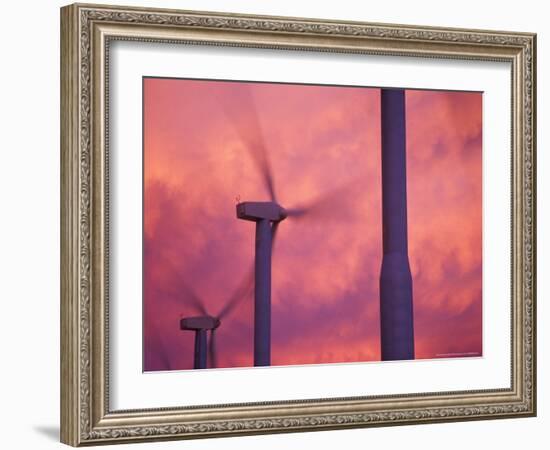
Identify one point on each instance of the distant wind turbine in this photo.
(202, 322)
(205, 322)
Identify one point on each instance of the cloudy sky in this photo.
(201, 141)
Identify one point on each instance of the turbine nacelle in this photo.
(199, 323)
(256, 211)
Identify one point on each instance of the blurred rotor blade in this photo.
(336, 203)
(212, 356)
(182, 292)
(274, 228)
(241, 111)
(162, 353)
(244, 289)
(187, 294)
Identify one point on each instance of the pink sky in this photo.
(325, 297)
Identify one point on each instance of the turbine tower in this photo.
(267, 216)
(396, 300)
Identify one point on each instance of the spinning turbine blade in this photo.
(212, 355)
(332, 204)
(164, 357)
(241, 292)
(274, 228)
(162, 353)
(191, 298)
(249, 130)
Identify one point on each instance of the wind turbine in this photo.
(267, 215)
(205, 322)
(162, 354)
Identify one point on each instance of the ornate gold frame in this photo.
(86, 31)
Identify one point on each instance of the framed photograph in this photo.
(275, 224)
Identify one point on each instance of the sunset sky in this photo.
(322, 142)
